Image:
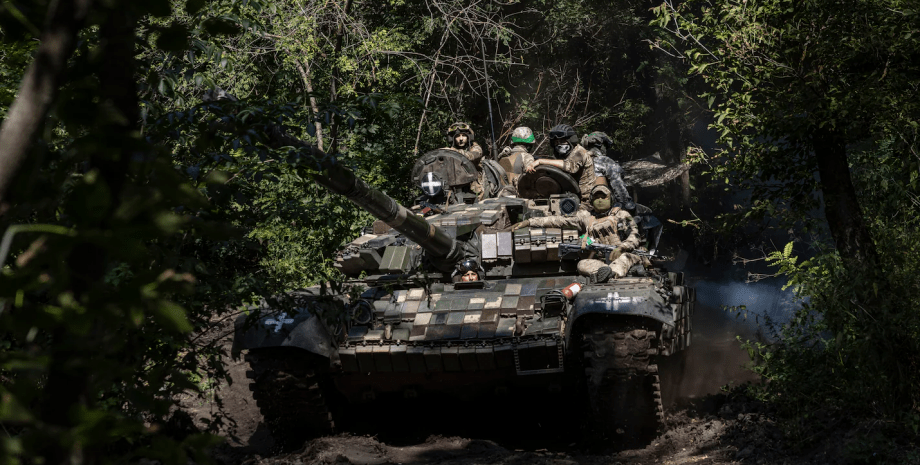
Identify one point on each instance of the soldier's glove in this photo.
(505, 152)
(615, 254)
(522, 224)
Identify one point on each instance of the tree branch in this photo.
(39, 87)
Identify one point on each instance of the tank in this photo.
(405, 324)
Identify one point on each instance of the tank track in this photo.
(624, 389)
(289, 390)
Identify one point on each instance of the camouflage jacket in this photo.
(580, 164)
(618, 228)
(514, 159)
(474, 154)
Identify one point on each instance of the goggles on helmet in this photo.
(467, 265)
(558, 134)
(458, 127)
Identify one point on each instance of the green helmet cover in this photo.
(523, 140)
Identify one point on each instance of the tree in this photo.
(793, 87)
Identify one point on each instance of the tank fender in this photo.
(609, 301)
(303, 330)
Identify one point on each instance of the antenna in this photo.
(485, 69)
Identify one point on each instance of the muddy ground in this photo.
(705, 423)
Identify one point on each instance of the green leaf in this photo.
(11, 409)
(172, 316)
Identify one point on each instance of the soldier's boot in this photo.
(595, 270)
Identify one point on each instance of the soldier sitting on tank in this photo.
(516, 156)
(598, 144)
(460, 138)
(576, 160)
(467, 270)
(607, 225)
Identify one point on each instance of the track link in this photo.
(289, 390)
(624, 389)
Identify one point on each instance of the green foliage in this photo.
(14, 57)
(782, 74)
(131, 239)
(854, 346)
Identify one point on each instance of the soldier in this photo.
(598, 143)
(577, 161)
(616, 227)
(517, 155)
(467, 270)
(460, 139)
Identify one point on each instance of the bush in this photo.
(854, 346)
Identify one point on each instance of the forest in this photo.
(144, 204)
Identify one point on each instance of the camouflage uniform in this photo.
(473, 154)
(608, 230)
(598, 143)
(513, 160)
(580, 164)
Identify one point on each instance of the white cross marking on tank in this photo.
(613, 300)
(430, 183)
(279, 322)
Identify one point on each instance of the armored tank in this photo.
(411, 325)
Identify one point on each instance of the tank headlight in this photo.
(362, 313)
(568, 206)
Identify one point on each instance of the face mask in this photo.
(601, 205)
(563, 149)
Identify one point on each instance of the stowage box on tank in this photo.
(415, 326)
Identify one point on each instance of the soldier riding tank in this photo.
(530, 320)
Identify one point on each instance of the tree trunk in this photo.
(39, 87)
(69, 384)
(841, 207)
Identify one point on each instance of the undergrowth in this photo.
(849, 358)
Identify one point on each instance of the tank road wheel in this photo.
(288, 386)
(624, 390)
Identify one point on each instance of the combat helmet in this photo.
(459, 127)
(522, 135)
(597, 141)
(566, 132)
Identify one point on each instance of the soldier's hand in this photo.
(531, 167)
(522, 224)
(615, 254)
(505, 152)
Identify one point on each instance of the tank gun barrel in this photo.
(341, 180)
